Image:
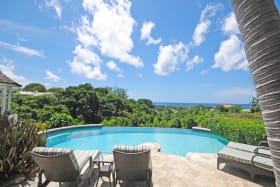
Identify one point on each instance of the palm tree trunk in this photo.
(259, 24)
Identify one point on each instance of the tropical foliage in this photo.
(16, 143)
(60, 120)
(255, 105)
(249, 131)
(35, 87)
(84, 104)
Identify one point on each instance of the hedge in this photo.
(249, 131)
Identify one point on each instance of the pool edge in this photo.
(74, 126)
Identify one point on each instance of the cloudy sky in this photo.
(166, 51)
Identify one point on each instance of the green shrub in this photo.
(35, 87)
(40, 125)
(117, 121)
(175, 123)
(190, 123)
(16, 143)
(249, 131)
(60, 120)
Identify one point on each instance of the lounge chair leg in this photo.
(114, 179)
(149, 178)
(252, 177)
(218, 163)
(89, 181)
(148, 183)
(110, 180)
(40, 184)
(97, 181)
(40, 178)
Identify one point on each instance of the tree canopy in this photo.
(35, 87)
(84, 104)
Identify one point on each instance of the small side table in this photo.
(104, 162)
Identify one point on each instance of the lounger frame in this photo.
(63, 165)
(251, 166)
(132, 165)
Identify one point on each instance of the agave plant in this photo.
(16, 143)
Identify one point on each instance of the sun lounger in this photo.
(132, 163)
(63, 165)
(255, 160)
(261, 148)
(241, 146)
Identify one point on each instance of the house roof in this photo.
(6, 80)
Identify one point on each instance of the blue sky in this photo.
(166, 51)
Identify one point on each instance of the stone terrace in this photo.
(194, 170)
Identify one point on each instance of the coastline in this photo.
(177, 104)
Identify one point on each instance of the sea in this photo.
(245, 106)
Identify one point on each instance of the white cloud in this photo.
(71, 28)
(200, 31)
(230, 25)
(52, 76)
(8, 25)
(169, 57)
(21, 49)
(109, 30)
(192, 62)
(87, 64)
(146, 33)
(203, 27)
(87, 71)
(56, 6)
(7, 67)
(231, 55)
(232, 94)
(210, 11)
(113, 66)
(86, 56)
(85, 33)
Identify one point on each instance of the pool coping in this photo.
(74, 127)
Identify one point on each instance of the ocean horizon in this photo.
(177, 104)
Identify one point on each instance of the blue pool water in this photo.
(172, 141)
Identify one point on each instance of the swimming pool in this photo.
(172, 140)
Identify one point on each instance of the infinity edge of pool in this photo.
(85, 131)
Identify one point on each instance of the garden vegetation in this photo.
(16, 143)
(84, 104)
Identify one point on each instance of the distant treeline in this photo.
(84, 104)
(245, 106)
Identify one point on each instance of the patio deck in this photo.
(195, 170)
